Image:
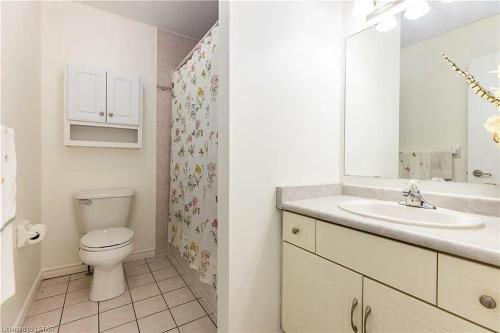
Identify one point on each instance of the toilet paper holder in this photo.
(28, 233)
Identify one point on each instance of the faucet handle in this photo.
(413, 184)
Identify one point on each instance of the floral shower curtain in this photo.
(193, 163)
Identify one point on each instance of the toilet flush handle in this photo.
(85, 201)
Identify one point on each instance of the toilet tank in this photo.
(99, 209)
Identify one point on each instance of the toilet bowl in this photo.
(105, 250)
(103, 216)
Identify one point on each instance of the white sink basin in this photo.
(394, 212)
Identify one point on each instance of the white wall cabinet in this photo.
(86, 94)
(320, 294)
(123, 97)
(103, 108)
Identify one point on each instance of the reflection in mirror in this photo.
(407, 113)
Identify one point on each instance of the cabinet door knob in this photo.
(353, 306)
(110, 114)
(101, 113)
(487, 301)
(368, 311)
(295, 231)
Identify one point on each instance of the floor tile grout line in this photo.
(84, 317)
(189, 322)
(62, 311)
(128, 322)
(190, 289)
(197, 299)
(116, 307)
(48, 296)
(162, 295)
(212, 322)
(64, 307)
(56, 284)
(44, 312)
(133, 307)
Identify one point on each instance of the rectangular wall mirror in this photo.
(408, 115)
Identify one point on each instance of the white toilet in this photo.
(103, 216)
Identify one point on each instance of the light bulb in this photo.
(386, 24)
(417, 9)
(362, 8)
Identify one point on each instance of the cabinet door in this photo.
(393, 311)
(124, 98)
(86, 94)
(317, 295)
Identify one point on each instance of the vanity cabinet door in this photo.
(318, 295)
(394, 312)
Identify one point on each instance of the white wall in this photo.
(20, 110)
(372, 103)
(279, 117)
(75, 33)
(433, 100)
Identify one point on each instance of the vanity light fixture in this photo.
(382, 14)
(362, 8)
(417, 9)
(388, 23)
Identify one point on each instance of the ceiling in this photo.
(444, 17)
(189, 18)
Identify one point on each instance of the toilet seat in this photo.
(106, 239)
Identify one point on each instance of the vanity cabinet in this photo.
(352, 281)
(318, 295)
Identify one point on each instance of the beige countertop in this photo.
(481, 244)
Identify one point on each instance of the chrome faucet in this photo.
(413, 198)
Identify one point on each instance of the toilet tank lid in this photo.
(105, 193)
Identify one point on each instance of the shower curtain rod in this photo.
(194, 48)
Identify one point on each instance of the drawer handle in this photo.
(295, 231)
(368, 311)
(487, 301)
(353, 306)
(85, 201)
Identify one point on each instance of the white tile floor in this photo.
(158, 300)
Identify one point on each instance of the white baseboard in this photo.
(23, 313)
(48, 273)
(142, 254)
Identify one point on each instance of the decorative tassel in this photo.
(475, 85)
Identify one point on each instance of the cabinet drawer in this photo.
(461, 285)
(395, 312)
(299, 230)
(404, 267)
